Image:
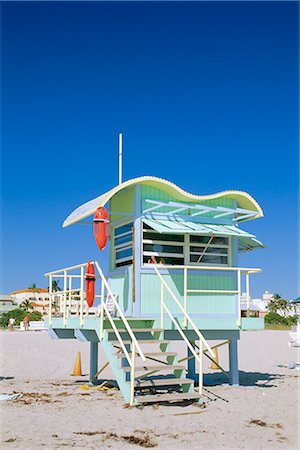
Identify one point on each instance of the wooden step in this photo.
(122, 355)
(162, 382)
(143, 341)
(149, 368)
(155, 398)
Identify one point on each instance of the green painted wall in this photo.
(152, 193)
(120, 286)
(122, 202)
(197, 303)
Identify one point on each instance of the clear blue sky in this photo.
(206, 95)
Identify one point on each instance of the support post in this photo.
(191, 364)
(65, 298)
(233, 362)
(102, 311)
(185, 323)
(81, 295)
(238, 322)
(93, 362)
(132, 374)
(162, 308)
(248, 293)
(201, 367)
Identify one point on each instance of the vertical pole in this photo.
(132, 380)
(191, 363)
(120, 158)
(200, 367)
(233, 362)
(50, 300)
(101, 310)
(70, 295)
(81, 295)
(162, 306)
(185, 322)
(93, 362)
(65, 297)
(248, 293)
(238, 322)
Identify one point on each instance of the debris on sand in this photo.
(261, 423)
(143, 441)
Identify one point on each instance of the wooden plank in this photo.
(160, 367)
(162, 382)
(168, 397)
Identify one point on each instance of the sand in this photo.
(59, 411)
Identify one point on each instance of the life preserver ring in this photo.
(90, 283)
(101, 227)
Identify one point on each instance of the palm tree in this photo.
(278, 304)
(55, 287)
(26, 305)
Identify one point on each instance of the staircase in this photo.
(139, 356)
(158, 379)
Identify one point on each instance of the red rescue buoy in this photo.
(90, 283)
(101, 227)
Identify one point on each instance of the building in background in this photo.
(39, 298)
(7, 303)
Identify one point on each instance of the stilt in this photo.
(192, 364)
(233, 362)
(93, 361)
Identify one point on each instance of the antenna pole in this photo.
(120, 158)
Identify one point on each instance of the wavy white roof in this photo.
(243, 199)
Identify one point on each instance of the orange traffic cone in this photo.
(215, 360)
(77, 372)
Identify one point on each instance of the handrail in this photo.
(110, 295)
(199, 334)
(68, 290)
(236, 269)
(123, 318)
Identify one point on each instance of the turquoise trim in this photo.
(137, 251)
(252, 323)
(114, 362)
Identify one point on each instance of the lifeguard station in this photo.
(174, 274)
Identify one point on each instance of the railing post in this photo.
(162, 306)
(200, 367)
(248, 293)
(132, 373)
(101, 310)
(70, 295)
(238, 322)
(185, 322)
(81, 294)
(50, 301)
(65, 298)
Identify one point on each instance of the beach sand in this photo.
(59, 411)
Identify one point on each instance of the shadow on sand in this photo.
(247, 379)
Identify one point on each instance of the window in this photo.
(179, 249)
(123, 245)
(164, 248)
(208, 250)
